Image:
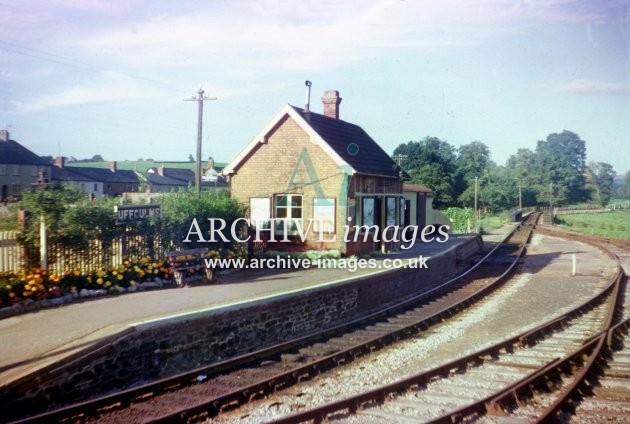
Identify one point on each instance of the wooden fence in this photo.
(11, 252)
(13, 256)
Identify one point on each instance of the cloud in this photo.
(106, 88)
(581, 86)
(278, 35)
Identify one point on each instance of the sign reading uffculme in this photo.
(131, 213)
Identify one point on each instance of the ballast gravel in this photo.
(544, 289)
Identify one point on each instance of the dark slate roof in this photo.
(12, 152)
(104, 175)
(67, 174)
(342, 137)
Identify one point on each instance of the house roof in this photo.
(80, 173)
(12, 152)
(67, 174)
(416, 188)
(346, 143)
(177, 177)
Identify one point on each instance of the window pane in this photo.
(368, 211)
(296, 200)
(296, 212)
(281, 200)
(391, 211)
(281, 212)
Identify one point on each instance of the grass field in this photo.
(608, 224)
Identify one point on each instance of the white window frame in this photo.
(291, 210)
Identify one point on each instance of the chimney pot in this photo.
(4, 135)
(331, 102)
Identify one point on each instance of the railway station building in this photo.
(310, 167)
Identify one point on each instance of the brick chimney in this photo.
(210, 163)
(60, 161)
(331, 102)
(4, 135)
(112, 165)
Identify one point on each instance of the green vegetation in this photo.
(556, 171)
(608, 224)
(74, 223)
(464, 218)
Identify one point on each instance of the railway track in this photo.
(205, 392)
(539, 376)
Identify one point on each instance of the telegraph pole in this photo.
(199, 98)
(399, 159)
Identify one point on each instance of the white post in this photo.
(43, 251)
(574, 267)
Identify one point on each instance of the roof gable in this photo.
(348, 145)
(352, 144)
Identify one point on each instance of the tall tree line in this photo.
(556, 171)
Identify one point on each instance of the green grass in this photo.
(492, 222)
(607, 224)
(141, 165)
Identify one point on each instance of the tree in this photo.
(431, 162)
(48, 204)
(600, 177)
(522, 168)
(472, 162)
(561, 161)
(97, 158)
(191, 158)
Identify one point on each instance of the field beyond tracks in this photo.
(615, 224)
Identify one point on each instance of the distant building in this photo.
(212, 173)
(19, 168)
(97, 182)
(162, 179)
(419, 204)
(308, 166)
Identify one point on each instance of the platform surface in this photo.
(33, 340)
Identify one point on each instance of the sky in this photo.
(86, 77)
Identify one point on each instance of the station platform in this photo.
(35, 340)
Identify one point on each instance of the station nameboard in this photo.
(130, 213)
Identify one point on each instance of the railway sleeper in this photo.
(620, 394)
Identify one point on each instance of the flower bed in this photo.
(30, 290)
(38, 284)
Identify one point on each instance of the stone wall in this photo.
(163, 348)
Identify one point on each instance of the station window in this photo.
(260, 211)
(368, 211)
(288, 207)
(390, 211)
(324, 214)
(402, 212)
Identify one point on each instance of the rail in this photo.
(213, 406)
